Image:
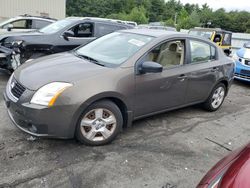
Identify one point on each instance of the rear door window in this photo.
(104, 29)
(201, 52)
(38, 24)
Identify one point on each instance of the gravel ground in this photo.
(170, 150)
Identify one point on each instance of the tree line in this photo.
(170, 13)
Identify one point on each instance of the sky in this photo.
(226, 4)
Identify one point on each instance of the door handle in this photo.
(182, 77)
(215, 69)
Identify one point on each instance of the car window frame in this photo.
(41, 20)
(78, 23)
(189, 60)
(17, 20)
(140, 59)
(112, 24)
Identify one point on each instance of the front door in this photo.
(160, 91)
(83, 34)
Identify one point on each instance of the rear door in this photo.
(203, 68)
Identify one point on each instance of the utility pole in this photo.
(175, 19)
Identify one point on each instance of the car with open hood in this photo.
(94, 91)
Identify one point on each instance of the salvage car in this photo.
(232, 171)
(94, 91)
(24, 23)
(63, 35)
(242, 61)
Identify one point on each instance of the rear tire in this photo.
(99, 124)
(216, 98)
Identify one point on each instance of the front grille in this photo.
(16, 89)
(241, 76)
(245, 72)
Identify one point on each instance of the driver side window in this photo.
(83, 30)
(169, 54)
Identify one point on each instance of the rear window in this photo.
(38, 24)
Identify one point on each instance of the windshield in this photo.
(5, 21)
(205, 34)
(55, 27)
(113, 49)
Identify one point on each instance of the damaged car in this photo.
(61, 36)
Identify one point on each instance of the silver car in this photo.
(24, 23)
(94, 91)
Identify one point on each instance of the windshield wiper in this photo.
(90, 59)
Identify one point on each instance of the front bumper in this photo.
(242, 72)
(40, 121)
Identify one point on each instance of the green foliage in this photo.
(170, 12)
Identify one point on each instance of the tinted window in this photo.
(169, 54)
(83, 30)
(103, 29)
(38, 24)
(201, 52)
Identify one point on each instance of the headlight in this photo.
(48, 94)
(236, 58)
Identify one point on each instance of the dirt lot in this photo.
(164, 151)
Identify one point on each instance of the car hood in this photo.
(63, 67)
(237, 175)
(244, 53)
(19, 34)
(223, 165)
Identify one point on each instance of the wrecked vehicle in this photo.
(63, 35)
(9, 58)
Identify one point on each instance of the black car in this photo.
(61, 36)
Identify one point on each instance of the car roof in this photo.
(154, 32)
(120, 22)
(209, 29)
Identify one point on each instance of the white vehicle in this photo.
(24, 23)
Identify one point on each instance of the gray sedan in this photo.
(94, 91)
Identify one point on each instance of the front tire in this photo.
(216, 98)
(99, 124)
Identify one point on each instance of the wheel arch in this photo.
(116, 98)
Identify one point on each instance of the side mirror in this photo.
(10, 27)
(150, 67)
(68, 34)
